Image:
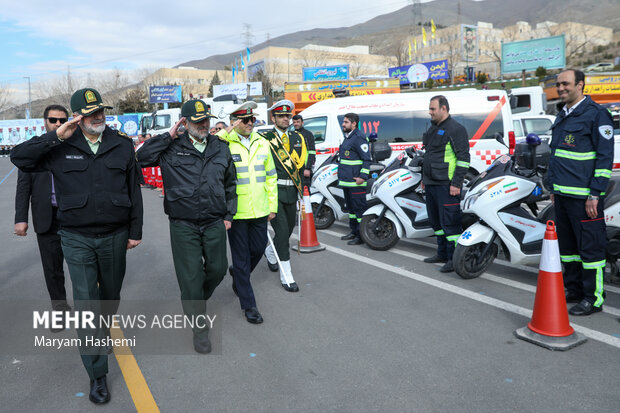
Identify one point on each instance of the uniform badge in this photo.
(90, 97)
(199, 107)
(606, 131)
(346, 153)
(236, 157)
(364, 147)
(569, 139)
(281, 153)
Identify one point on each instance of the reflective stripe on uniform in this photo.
(261, 179)
(352, 216)
(570, 258)
(453, 238)
(348, 162)
(286, 182)
(574, 190)
(260, 167)
(364, 171)
(605, 173)
(578, 156)
(242, 169)
(462, 164)
(351, 184)
(599, 266)
(243, 181)
(439, 233)
(271, 172)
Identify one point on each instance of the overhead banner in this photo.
(165, 94)
(339, 72)
(317, 91)
(469, 43)
(420, 72)
(528, 55)
(239, 89)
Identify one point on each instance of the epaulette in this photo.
(123, 134)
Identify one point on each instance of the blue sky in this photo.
(41, 39)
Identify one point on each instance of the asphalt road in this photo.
(368, 332)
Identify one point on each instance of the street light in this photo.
(288, 69)
(29, 98)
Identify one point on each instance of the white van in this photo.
(402, 118)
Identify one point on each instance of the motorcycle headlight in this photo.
(474, 194)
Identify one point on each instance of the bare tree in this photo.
(6, 97)
(312, 58)
(400, 50)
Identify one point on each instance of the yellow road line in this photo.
(136, 383)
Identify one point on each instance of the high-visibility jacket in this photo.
(354, 161)
(582, 151)
(257, 182)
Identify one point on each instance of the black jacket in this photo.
(446, 160)
(199, 187)
(97, 194)
(35, 189)
(355, 159)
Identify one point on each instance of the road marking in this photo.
(494, 302)
(136, 383)
(498, 261)
(7, 175)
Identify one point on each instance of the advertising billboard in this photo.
(420, 72)
(165, 94)
(339, 72)
(548, 52)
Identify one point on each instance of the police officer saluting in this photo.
(582, 153)
(97, 184)
(353, 170)
(289, 152)
(257, 203)
(200, 200)
(446, 162)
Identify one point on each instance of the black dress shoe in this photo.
(447, 267)
(355, 241)
(273, 267)
(435, 259)
(202, 344)
(584, 308)
(292, 288)
(572, 297)
(99, 393)
(253, 316)
(347, 237)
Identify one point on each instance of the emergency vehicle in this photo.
(402, 118)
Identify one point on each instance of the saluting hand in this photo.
(175, 128)
(68, 128)
(233, 125)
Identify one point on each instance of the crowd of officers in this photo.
(85, 178)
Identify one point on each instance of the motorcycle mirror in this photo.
(500, 138)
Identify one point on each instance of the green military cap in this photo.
(196, 110)
(87, 101)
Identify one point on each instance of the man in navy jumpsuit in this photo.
(582, 153)
(353, 170)
(446, 161)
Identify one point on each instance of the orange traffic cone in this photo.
(308, 241)
(549, 326)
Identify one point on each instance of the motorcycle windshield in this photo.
(500, 167)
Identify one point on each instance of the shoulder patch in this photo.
(606, 131)
(364, 147)
(123, 134)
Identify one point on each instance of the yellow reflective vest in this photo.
(257, 182)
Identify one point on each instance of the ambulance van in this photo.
(402, 118)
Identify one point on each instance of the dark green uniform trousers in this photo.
(97, 270)
(200, 263)
(284, 222)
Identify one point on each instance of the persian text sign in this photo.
(548, 52)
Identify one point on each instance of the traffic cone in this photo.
(308, 241)
(549, 326)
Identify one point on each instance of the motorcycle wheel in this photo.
(325, 219)
(382, 239)
(465, 258)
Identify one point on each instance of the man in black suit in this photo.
(37, 189)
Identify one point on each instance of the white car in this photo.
(600, 67)
(538, 124)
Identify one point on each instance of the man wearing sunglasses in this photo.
(97, 186)
(257, 203)
(37, 189)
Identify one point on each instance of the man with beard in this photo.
(446, 162)
(200, 200)
(353, 170)
(97, 184)
(38, 190)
